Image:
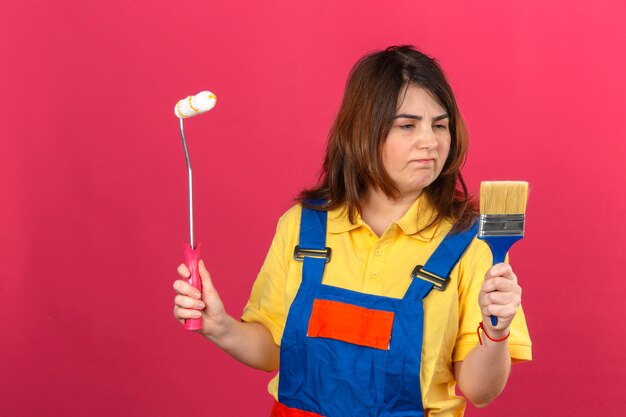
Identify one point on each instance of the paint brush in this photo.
(502, 214)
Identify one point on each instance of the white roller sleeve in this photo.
(195, 105)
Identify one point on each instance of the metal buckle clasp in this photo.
(299, 253)
(438, 282)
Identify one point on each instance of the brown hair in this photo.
(353, 160)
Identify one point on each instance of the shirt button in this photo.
(378, 252)
(375, 274)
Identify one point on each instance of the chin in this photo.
(419, 186)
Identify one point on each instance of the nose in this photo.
(426, 139)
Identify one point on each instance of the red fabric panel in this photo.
(350, 323)
(281, 410)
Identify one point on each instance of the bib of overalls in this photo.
(345, 353)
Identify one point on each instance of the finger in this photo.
(185, 313)
(503, 298)
(205, 276)
(210, 296)
(483, 300)
(185, 288)
(504, 312)
(500, 284)
(183, 271)
(508, 273)
(501, 270)
(180, 320)
(498, 300)
(493, 284)
(188, 302)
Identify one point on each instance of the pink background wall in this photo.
(93, 182)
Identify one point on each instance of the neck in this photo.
(379, 211)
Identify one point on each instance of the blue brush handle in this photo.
(499, 246)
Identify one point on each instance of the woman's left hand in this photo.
(500, 296)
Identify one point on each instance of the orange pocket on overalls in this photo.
(351, 323)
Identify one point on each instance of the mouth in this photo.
(425, 161)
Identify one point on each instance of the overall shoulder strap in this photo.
(311, 249)
(436, 272)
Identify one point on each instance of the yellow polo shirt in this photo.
(362, 261)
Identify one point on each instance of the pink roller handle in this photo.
(192, 257)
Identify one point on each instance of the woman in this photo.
(350, 314)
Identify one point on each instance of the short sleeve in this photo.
(267, 304)
(472, 271)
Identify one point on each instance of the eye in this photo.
(406, 126)
(441, 126)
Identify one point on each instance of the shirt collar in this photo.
(338, 221)
(417, 217)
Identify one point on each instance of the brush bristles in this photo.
(503, 197)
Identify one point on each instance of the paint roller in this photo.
(185, 108)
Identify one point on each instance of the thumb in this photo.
(209, 293)
(205, 277)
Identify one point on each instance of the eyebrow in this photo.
(415, 117)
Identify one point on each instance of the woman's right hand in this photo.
(189, 303)
(250, 343)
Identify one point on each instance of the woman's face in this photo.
(418, 143)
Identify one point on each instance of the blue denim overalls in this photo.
(345, 353)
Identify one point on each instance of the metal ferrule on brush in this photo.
(501, 225)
